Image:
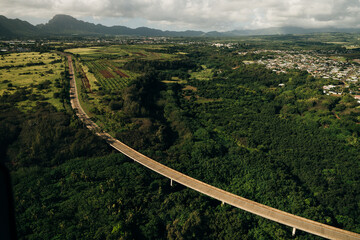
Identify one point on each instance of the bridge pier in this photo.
(222, 203)
(293, 232)
(171, 182)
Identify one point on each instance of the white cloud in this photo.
(197, 14)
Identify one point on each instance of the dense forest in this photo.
(238, 130)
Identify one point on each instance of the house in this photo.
(328, 87)
(334, 93)
(357, 97)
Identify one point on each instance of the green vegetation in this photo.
(112, 198)
(204, 74)
(109, 76)
(229, 124)
(107, 73)
(122, 52)
(36, 76)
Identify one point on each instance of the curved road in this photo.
(276, 215)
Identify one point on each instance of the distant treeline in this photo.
(27, 65)
(137, 65)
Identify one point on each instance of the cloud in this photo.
(197, 14)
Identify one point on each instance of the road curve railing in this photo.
(276, 215)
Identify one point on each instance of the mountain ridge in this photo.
(64, 25)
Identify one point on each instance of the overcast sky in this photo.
(207, 15)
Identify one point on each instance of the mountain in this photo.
(291, 30)
(64, 25)
(17, 28)
(271, 31)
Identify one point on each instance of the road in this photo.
(276, 215)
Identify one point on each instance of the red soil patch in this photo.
(116, 70)
(120, 73)
(106, 74)
(85, 80)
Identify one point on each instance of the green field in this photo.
(84, 51)
(338, 58)
(108, 75)
(203, 75)
(121, 53)
(91, 77)
(103, 66)
(16, 59)
(22, 75)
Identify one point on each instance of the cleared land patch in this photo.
(40, 81)
(204, 75)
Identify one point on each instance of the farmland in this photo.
(104, 72)
(109, 76)
(122, 53)
(39, 75)
(106, 63)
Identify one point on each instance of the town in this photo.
(343, 74)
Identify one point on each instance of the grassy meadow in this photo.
(39, 73)
(204, 75)
(122, 53)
